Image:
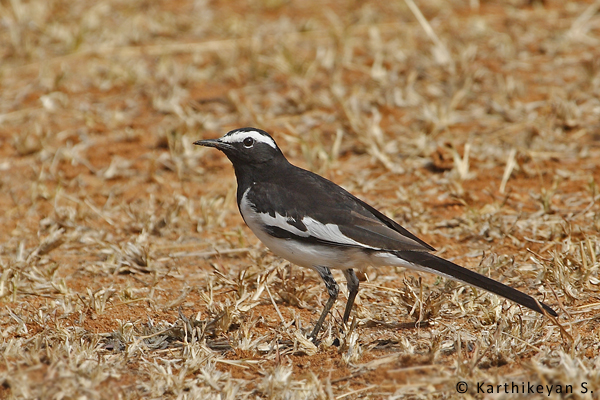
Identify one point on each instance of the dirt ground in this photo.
(127, 271)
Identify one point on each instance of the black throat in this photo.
(247, 174)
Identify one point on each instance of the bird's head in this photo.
(245, 145)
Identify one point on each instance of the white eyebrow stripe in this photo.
(239, 136)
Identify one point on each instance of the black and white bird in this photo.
(314, 223)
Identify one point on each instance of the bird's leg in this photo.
(352, 282)
(333, 290)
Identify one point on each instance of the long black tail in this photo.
(450, 270)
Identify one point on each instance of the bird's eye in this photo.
(248, 142)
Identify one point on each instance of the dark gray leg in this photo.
(352, 282)
(333, 290)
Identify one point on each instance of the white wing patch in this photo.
(281, 222)
(330, 233)
(239, 136)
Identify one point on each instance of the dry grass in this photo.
(126, 271)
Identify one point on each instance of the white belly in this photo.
(310, 255)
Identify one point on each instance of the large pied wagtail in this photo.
(314, 223)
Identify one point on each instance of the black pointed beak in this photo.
(216, 143)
